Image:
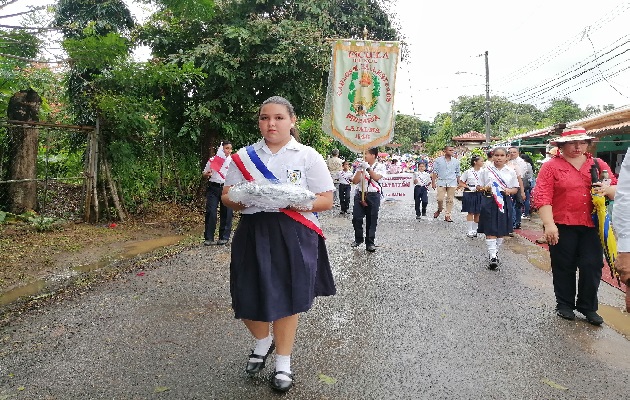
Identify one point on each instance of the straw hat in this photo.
(571, 134)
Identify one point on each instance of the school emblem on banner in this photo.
(359, 108)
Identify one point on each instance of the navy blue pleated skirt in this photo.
(278, 267)
(471, 202)
(492, 222)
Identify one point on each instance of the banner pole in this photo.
(363, 180)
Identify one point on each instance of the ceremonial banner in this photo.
(359, 108)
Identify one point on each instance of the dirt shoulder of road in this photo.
(30, 256)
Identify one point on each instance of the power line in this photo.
(564, 47)
(547, 87)
(571, 70)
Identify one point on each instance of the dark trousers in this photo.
(344, 197)
(578, 248)
(370, 212)
(420, 198)
(517, 208)
(213, 201)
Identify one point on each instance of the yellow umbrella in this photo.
(602, 222)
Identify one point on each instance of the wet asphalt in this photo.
(421, 318)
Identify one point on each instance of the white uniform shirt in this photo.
(214, 177)
(507, 174)
(472, 178)
(519, 165)
(345, 177)
(423, 178)
(621, 210)
(373, 186)
(293, 159)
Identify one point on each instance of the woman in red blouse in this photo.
(563, 199)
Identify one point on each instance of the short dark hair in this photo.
(373, 150)
(473, 160)
(503, 149)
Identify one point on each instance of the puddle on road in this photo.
(616, 319)
(536, 255)
(539, 257)
(131, 250)
(26, 290)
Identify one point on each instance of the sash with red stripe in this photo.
(496, 186)
(253, 169)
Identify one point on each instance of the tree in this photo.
(562, 111)
(409, 130)
(443, 128)
(22, 196)
(250, 50)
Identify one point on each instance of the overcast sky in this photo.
(528, 42)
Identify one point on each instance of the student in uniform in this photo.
(471, 200)
(367, 205)
(495, 219)
(279, 259)
(345, 183)
(422, 181)
(213, 200)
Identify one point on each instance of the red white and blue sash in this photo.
(496, 187)
(253, 169)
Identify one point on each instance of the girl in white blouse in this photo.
(497, 182)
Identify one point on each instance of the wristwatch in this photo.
(368, 169)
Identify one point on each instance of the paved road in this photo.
(419, 319)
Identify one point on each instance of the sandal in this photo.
(448, 219)
(281, 385)
(254, 367)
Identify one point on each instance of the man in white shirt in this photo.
(334, 166)
(519, 165)
(621, 224)
(216, 179)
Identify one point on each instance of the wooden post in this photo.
(91, 171)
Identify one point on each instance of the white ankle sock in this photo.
(475, 226)
(262, 346)
(471, 226)
(492, 247)
(283, 363)
(499, 243)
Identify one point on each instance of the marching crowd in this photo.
(279, 262)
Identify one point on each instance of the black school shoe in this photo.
(255, 367)
(592, 317)
(493, 264)
(280, 384)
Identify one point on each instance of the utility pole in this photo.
(487, 101)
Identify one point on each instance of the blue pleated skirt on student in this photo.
(471, 202)
(492, 222)
(278, 267)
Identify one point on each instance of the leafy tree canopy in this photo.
(253, 49)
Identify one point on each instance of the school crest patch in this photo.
(294, 176)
